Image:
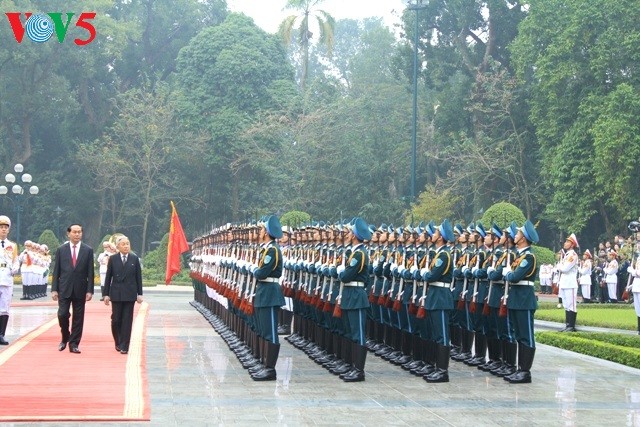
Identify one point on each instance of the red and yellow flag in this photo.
(177, 245)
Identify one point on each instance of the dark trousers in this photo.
(77, 323)
(121, 322)
(267, 323)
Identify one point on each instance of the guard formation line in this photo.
(415, 296)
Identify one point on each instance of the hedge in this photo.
(618, 348)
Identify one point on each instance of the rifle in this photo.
(327, 304)
(397, 304)
(486, 310)
(461, 301)
(337, 311)
(474, 296)
(422, 312)
(413, 309)
(372, 297)
(503, 303)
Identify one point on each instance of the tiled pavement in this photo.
(194, 380)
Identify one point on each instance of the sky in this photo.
(268, 14)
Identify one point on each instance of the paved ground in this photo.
(194, 380)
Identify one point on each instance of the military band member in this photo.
(268, 296)
(611, 276)
(9, 267)
(521, 300)
(585, 270)
(568, 282)
(634, 284)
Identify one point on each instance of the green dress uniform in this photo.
(269, 297)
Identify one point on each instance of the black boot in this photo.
(4, 320)
(571, 321)
(359, 356)
(566, 321)
(638, 325)
(525, 360)
(480, 357)
(441, 374)
(510, 351)
(495, 355)
(269, 371)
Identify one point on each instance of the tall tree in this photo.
(302, 25)
(580, 62)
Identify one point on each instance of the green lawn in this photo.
(617, 316)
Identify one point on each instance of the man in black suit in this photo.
(122, 287)
(72, 285)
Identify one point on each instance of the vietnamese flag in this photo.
(177, 245)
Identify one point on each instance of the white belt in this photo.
(523, 283)
(439, 284)
(270, 280)
(355, 284)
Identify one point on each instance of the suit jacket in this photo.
(69, 281)
(123, 282)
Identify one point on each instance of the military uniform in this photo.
(521, 300)
(9, 266)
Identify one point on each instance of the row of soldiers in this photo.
(35, 261)
(416, 296)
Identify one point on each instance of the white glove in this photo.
(394, 266)
(340, 269)
(490, 270)
(473, 270)
(423, 271)
(464, 269)
(401, 269)
(631, 270)
(413, 269)
(506, 271)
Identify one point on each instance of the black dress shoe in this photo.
(117, 349)
(3, 341)
(74, 350)
(62, 346)
(124, 351)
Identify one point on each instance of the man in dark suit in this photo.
(122, 287)
(72, 285)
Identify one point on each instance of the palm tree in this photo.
(307, 10)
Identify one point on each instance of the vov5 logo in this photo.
(40, 27)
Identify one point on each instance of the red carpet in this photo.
(41, 383)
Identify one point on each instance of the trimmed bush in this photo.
(607, 346)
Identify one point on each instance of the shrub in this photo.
(605, 346)
(502, 213)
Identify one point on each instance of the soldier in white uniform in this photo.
(108, 250)
(611, 276)
(585, 276)
(9, 266)
(568, 282)
(634, 286)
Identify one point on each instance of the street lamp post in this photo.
(58, 211)
(18, 192)
(416, 5)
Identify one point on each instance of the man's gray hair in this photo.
(120, 239)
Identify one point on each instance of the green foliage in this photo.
(503, 213)
(49, 238)
(433, 205)
(613, 347)
(544, 255)
(295, 218)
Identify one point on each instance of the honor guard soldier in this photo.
(9, 266)
(352, 298)
(268, 296)
(439, 300)
(521, 300)
(568, 282)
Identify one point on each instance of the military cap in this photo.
(458, 229)
(573, 239)
(480, 229)
(446, 231)
(495, 230)
(272, 224)
(4, 220)
(361, 229)
(529, 232)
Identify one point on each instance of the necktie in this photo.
(73, 256)
(3, 243)
(124, 259)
